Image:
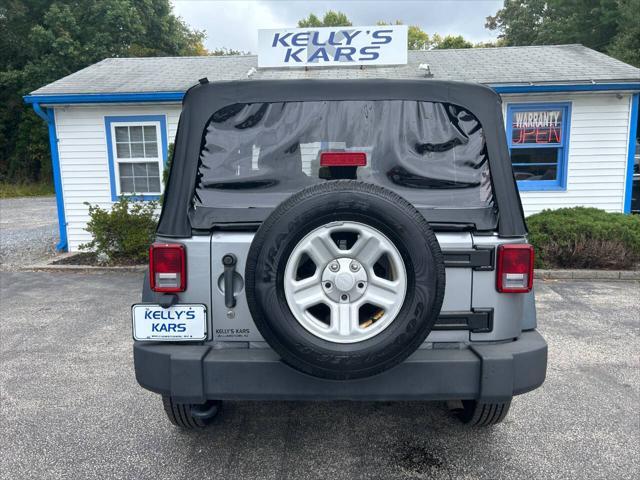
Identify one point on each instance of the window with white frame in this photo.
(137, 157)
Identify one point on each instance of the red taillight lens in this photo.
(343, 159)
(515, 268)
(167, 267)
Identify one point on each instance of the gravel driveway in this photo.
(71, 407)
(28, 231)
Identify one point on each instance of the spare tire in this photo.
(345, 279)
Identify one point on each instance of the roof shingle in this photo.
(494, 66)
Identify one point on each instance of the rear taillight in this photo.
(167, 267)
(515, 268)
(343, 159)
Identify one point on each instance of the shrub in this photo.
(585, 238)
(124, 233)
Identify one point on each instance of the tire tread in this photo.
(180, 415)
(477, 414)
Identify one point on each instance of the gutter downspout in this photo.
(48, 116)
(633, 127)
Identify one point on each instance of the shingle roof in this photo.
(508, 65)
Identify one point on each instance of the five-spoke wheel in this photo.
(345, 282)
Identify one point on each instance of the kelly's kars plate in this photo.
(183, 322)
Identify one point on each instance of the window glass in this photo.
(122, 150)
(150, 149)
(535, 172)
(135, 134)
(137, 150)
(139, 177)
(537, 139)
(122, 134)
(137, 145)
(434, 154)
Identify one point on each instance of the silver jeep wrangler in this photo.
(339, 239)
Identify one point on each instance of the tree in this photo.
(43, 40)
(610, 26)
(625, 45)
(418, 39)
(497, 43)
(219, 52)
(330, 19)
(450, 41)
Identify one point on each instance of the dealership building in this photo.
(571, 117)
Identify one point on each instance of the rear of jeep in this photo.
(325, 240)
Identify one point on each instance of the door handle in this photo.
(229, 262)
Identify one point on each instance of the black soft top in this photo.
(180, 216)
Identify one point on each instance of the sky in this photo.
(235, 23)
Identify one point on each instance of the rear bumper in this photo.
(487, 372)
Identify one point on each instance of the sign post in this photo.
(333, 46)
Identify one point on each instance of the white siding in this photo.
(84, 164)
(598, 146)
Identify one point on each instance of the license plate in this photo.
(177, 323)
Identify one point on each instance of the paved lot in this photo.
(28, 231)
(71, 408)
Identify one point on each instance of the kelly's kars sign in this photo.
(334, 46)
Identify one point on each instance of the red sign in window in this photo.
(536, 127)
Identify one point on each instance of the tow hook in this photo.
(205, 411)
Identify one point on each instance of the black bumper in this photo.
(487, 372)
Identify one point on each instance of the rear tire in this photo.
(191, 416)
(478, 414)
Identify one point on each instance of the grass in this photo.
(13, 190)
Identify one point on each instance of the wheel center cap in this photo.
(344, 281)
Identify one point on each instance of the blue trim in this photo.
(127, 97)
(105, 98)
(590, 87)
(560, 184)
(633, 132)
(162, 119)
(48, 116)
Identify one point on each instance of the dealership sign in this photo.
(333, 46)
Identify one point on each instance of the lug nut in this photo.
(334, 266)
(355, 266)
(327, 285)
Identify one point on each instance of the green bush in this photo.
(123, 234)
(585, 238)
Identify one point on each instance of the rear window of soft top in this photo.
(434, 154)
